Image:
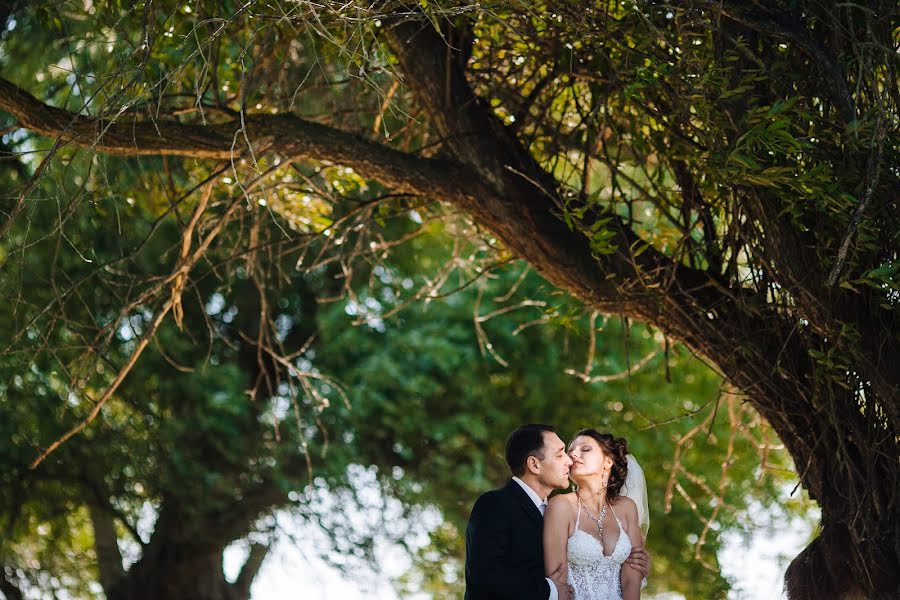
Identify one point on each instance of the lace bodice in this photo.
(593, 574)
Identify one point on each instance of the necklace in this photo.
(598, 519)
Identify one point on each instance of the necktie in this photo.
(543, 507)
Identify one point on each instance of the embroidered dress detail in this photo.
(593, 574)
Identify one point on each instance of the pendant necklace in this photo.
(598, 519)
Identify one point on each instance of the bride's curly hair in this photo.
(615, 448)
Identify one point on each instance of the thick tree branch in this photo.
(109, 559)
(490, 175)
(284, 135)
(526, 210)
(10, 590)
(824, 60)
(241, 586)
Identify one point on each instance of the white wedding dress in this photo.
(592, 574)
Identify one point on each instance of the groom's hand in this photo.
(639, 560)
(563, 590)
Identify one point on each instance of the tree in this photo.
(183, 443)
(719, 172)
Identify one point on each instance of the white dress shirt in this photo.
(540, 504)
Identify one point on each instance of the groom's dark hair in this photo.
(525, 441)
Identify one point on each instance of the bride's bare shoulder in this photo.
(625, 504)
(567, 499)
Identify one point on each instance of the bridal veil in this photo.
(636, 488)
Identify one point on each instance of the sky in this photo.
(756, 565)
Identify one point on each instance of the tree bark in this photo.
(184, 556)
(258, 553)
(10, 590)
(285, 135)
(109, 559)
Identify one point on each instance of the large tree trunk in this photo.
(845, 449)
(183, 571)
(184, 556)
(180, 573)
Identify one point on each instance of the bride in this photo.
(592, 530)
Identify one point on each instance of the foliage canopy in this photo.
(723, 172)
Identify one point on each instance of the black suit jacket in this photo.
(504, 547)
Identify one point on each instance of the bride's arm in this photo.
(631, 577)
(556, 537)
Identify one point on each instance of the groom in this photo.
(504, 546)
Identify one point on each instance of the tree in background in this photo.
(717, 172)
(184, 462)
